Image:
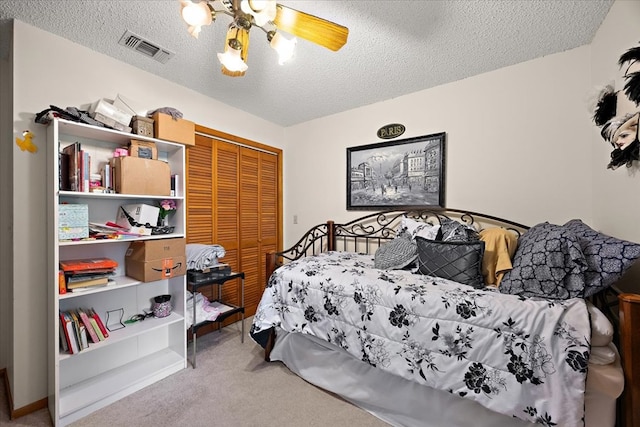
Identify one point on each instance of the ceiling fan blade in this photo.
(317, 30)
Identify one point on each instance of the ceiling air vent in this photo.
(145, 47)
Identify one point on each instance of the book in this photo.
(92, 313)
(64, 340)
(72, 151)
(86, 265)
(69, 332)
(89, 328)
(175, 182)
(63, 172)
(83, 336)
(85, 282)
(86, 171)
(62, 283)
(96, 329)
(75, 321)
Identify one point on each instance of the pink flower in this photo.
(167, 206)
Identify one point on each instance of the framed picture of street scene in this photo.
(407, 173)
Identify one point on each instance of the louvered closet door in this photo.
(234, 199)
(200, 192)
(258, 219)
(226, 212)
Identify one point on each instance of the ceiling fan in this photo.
(271, 17)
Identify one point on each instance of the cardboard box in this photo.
(73, 221)
(142, 126)
(143, 149)
(152, 260)
(142, 214)
(133, 175)
(182, 131)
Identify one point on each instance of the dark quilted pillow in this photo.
(396, 254)
(548, 263)
(457, 261)
(607, 257)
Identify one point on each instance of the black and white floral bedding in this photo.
(521, 357)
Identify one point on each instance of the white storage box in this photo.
(141, 214)
(104, 110)
(73, 221)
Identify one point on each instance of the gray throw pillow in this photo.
(548, 263)
(457, 261)
(395, 254)
(454, 231)
(607, 257)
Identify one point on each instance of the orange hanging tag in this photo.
(167, 268)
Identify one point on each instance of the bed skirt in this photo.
(403, 403)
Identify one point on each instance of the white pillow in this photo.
(418, 228)
(601, 327)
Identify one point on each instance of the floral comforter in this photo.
(520, 357)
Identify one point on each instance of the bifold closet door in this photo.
(258, 219)
(233, 200)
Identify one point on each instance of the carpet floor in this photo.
(231, 386)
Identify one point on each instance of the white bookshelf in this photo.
(141, 353)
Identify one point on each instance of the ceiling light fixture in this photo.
(270, 17)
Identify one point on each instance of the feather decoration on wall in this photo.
(632, 83)
(606, 107)
(632, 55)
(632, 87)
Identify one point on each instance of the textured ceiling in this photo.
(394, 47)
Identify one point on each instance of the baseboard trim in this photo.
(25, 410)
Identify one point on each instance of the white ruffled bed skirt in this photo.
(403, 403)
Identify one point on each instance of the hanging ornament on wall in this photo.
(26, 143)
(617, 114)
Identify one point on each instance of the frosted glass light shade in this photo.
(195, 15)
(285, 47)
(231, 60)
(262, 11)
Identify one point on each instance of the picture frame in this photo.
(403, 174)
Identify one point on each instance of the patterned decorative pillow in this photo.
(395, 254)
(548, 263)
(454, 231)
(607, 257)
(418, 228)
(457, 261)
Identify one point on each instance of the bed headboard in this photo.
(367, 233)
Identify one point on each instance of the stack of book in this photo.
(80, 327)
(75, 167)
(82, 274)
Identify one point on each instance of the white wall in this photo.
(51, 70)
(520, 145)
(616, 205)
(517, 145)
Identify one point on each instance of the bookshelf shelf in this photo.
(83, 195)
(141, 353)
(123, 238)
(115, 283)
(127, 332)
(81, 399)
